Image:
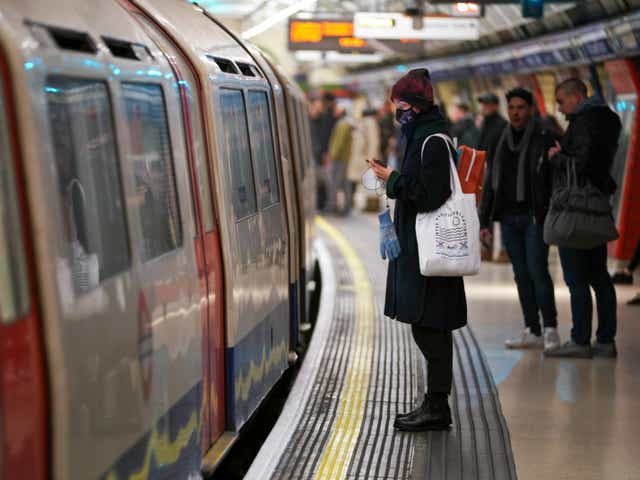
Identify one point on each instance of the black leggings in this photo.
(437, 348)
(635, 260)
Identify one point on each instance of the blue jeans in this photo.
(529, 257)
(583, 269)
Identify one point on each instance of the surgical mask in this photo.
(404, 116)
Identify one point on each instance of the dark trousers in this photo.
(583, 269)
(437, 348)
(529, 257)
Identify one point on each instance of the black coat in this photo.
(591, 141)
(466, 132)
(436, 302)
(490, 132)
(491, 208)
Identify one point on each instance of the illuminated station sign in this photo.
(336, 35)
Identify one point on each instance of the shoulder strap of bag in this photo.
(453, 172)
(471, 164)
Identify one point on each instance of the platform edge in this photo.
(266, 462)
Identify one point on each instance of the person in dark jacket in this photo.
(516, 193)
(492, 126)
(492, 123)
(464, 126)
(433, 306)
(591, 142)
(323, 115)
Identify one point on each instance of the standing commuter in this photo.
(516, 193)
(387, 128)
(590, 142)
(339, 155)
(492, 123)
(365, 138)
(434, 306)
(626, 275)
(324, 115)
(464, 126)
(491, 129)
(317, 119)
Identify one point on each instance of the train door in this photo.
(207, 240)
(261, 289)
(23, 388)
(295, 228)
(214, 380)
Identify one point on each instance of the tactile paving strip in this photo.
(478, 445)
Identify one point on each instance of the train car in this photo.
(298, 173)
(155, 238)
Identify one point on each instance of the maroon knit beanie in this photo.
(414, 88)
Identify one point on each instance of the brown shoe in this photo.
(502, 257)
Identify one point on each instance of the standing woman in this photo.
(434, 306)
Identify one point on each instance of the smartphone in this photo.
(382, 163)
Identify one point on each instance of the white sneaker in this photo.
(551, 338)
(525, 340)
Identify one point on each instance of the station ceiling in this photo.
(501, 23)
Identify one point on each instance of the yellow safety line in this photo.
(345, 430)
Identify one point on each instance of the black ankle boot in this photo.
(436, 416)
(413, 412)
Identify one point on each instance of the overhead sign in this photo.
(396, 25)
(336, 35)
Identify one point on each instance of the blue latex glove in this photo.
(389, 244)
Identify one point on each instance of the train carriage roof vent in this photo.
(226, 65)
(72, 39)
(246, 69)
(126, 49)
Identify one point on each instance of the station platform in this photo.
(516, 414)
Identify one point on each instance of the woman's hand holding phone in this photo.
(381, 170)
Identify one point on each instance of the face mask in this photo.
(404, 116)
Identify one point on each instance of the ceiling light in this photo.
(466, 9)
(277, 18)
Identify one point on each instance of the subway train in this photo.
(605, 54)
(156, 251)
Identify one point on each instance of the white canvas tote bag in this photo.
(449, 238)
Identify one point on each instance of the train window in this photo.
(14, 292)
(73, 40)
(126, 49)
(150, 155)
(262, 148)
(235, 141)
(227, 66)
(246, 69)
(89, 180)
